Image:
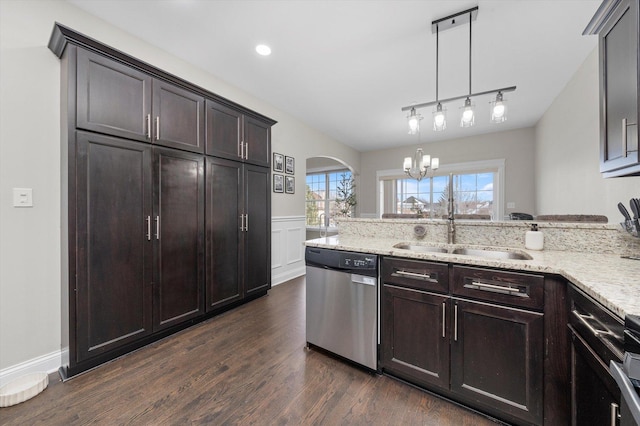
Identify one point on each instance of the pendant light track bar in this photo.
(451, 21)
(426, 104)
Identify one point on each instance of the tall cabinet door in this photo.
(178, 117)
(114, 249)
(178, 234)
(257, 247)
(112, 98)
(223, 232)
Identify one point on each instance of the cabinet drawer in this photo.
(416, 274)
(602, 331)
(511, 288)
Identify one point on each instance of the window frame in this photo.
(484, 166)
(327, 201)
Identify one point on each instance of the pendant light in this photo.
(439, 115)
(498, 107)
(413, 120)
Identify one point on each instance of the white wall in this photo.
(568, 180)
(29, 157)
(515, 146)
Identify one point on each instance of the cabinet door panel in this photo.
(112, 98)
(178, 234)
(224, 129)
(415, 339)
(257, 136)
(224, 238)
(181, 115)
(619, 62)
(114, 254)
(497, 358)
(593, 389)
(257, 246)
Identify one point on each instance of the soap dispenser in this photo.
(534, 239)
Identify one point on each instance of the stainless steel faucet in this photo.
(451, 229)
(323, 220)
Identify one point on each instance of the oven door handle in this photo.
(627, 390)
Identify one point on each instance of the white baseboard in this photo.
(50, 363)
(288, 275)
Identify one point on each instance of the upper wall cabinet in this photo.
(118, 100)
(236, 136)
(616, 23)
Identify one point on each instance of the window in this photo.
(475, 191)
(321, 196)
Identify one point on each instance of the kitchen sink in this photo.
(492, 254)
(465, 251)
(421, 248)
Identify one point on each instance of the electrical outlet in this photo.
(511, 205)
(22, 197)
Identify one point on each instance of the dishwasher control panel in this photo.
(356, 261)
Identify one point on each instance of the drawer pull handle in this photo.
(583, 319)
(614, 414)
(455, 322)
(513, 291)
(424, 277)
(149, 126)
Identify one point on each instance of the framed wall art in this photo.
(278, 183)
(290, 184)
(278, 162)
(289, 165)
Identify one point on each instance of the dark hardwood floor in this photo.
(247, 366)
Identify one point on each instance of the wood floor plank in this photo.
(248, 366)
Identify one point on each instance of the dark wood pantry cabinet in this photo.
(236, 136)
(158, 234)
(237, 231)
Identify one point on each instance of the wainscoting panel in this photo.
(288, 234)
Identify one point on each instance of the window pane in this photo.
(321, 196)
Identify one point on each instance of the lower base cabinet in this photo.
(485, 355)
(497, 358)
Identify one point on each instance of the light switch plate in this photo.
(22, 197)
(511, 205)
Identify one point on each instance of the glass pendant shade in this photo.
(498, 109)
(439, 118)
(468, 115)
(413, 120)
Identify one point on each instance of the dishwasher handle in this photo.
(363, 279)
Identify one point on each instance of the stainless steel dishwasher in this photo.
(342, 304)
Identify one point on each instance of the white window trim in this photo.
(456, 168)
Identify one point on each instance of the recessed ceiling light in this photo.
(263, 50)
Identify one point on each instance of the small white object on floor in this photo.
(23, 388)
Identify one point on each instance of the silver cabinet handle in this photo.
(624, 137)
(242, 150)
(455, 322)
(246, 223)
(246, 151)
(148, 228)
(241, 223)
(149, 126)
(444, 307)
(157, 227)
(614, 414)
(416, 275)
(158, 128)
(478, 285)
(583, 319)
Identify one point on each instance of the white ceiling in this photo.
(347, 67)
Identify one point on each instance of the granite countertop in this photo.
(608, 278)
